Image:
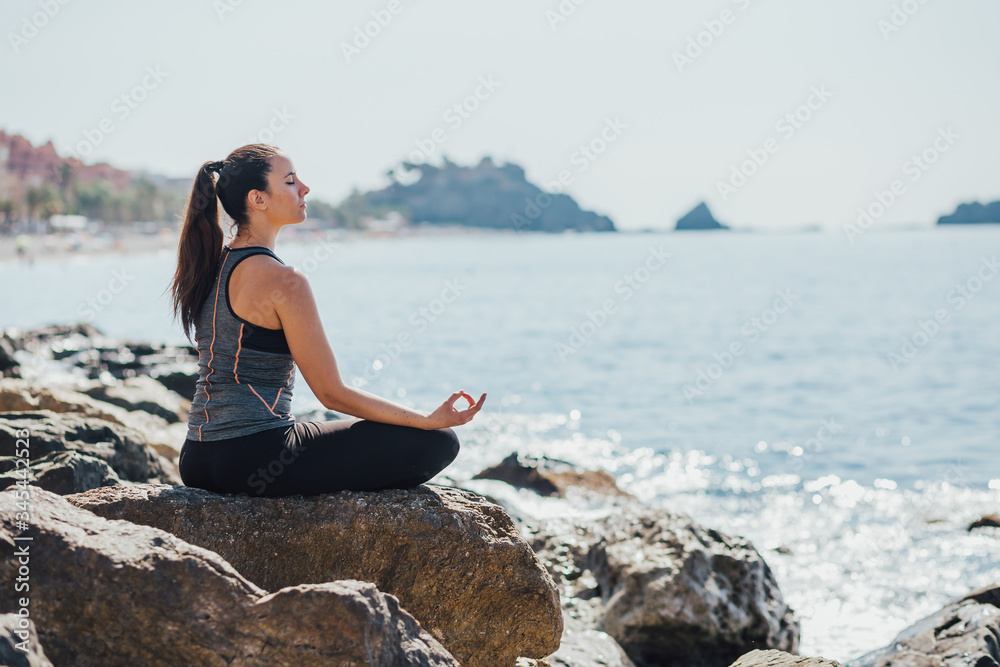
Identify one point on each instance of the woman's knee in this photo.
(450, 444)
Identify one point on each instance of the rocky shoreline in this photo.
(129, 567)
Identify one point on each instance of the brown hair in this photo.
(200, 246)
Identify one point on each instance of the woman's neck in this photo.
(246, 238)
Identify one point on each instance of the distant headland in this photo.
(42, 193)
(971, 214)
(487, 195)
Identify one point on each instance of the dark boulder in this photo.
(116, 594)
(59, 472)
(986, 521)
(550, 477)
(669, 591)
(19, 646)
(122, 448)
(455, 561)
(773, 658)
(100, 357)
(8, 364)
(146, 394)
(966, 632)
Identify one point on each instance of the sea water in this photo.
(837, 403)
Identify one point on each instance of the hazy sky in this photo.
(886, 79)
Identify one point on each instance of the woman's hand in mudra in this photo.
(448, 415)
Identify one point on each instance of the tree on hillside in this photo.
(43, 202)
(95, 199)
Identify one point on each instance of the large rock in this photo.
(143, 393)
(773, 658)
(19, 645)
(669, 591)
(551, 477)
(101, 357)
(112, 593)
(8, 363)
(455, 561)
(165, 437)
(582, 646)
(964, 633)
(178, 376)
(124, 449)
(986, 521)
(54, 339)
(60, 472)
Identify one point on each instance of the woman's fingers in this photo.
(466, 415)
(473, 408)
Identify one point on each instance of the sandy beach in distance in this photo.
(45, 246)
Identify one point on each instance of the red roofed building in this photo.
(23, 166)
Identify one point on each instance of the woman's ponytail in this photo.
(199, 249)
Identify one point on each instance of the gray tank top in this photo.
(246, 372)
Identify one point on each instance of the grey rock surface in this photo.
(454, 560)
(669, 591)
(19, 645)
(117, 594)
(122, 448)
(964, 633)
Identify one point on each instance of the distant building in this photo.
(75, 223)
(23, 166)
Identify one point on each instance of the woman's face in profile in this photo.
(287, 196)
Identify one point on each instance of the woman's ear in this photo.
(257, 199)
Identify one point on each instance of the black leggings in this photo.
(319, 457)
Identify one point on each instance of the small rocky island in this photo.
(699, 218)
(486, 195)
(971, 214)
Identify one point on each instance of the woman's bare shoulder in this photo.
(286, 280)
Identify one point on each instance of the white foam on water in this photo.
(857, 563)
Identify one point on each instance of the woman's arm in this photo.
(293, 302)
